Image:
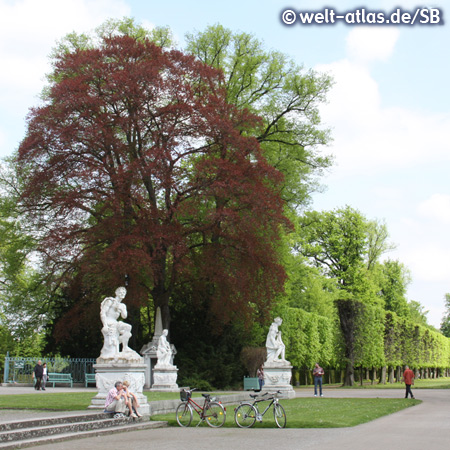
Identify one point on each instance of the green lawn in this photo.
(439, 383)
(319, 412)
(300, 412)
(47, 401)
(67, 401)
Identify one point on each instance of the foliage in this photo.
(369, 337)
(350, 313)
(336, 242)
(252, 358)
(417, 313)
(377, 242)
(305, 287)
(72, 42)
(409, 343)
(346, 247)
(58, 364)
(283, 94)
(197, 382)
(445, 324)
(309, 338)
(136, 167)
(393, 287)
(75, 327)
(22, 295)
(206, 351)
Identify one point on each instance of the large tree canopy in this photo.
(283, 94)
(136, 166)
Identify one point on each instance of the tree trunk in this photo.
(399, 374)
(383, 375)
(349, 379)
(391, 374)
(349, 311)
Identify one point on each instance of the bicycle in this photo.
(246, 414)
(212, 412)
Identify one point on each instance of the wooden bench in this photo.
(89, 378)
(60, 378)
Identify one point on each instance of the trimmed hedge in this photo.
(381, 339)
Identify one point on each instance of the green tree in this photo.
(445, 324)
(285, 95)
(377, 242)
(346, 247)
(147, 173)
(418, 313)
(394, 284)
(335, 242)
(22, 294)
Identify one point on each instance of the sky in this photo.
(389, 108)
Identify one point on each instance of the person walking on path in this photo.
(318, 373)
(44, 375)
(408, 378)
(260, 375)
(38, 372)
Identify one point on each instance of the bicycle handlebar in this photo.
(187, 389)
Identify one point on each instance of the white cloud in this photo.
(386, 158)
(365, 44)
(428, 262)
(437, 207)
(369, 136)
(29, 29)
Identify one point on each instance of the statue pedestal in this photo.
(277, 377)
(106, 375)
(165, 379)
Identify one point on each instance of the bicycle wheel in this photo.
(184, 414)
(279, 415)
(245, 415)
(215, 414)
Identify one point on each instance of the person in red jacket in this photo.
(408, 378)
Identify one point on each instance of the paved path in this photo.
(426, 426)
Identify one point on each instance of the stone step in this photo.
(42, 422)
(60, 428)
(54, 438)
(26, 433)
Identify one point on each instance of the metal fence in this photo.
(20, 370)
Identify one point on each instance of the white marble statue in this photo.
(115, 332)
(274, 344)
(164, 352)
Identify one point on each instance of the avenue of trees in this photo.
(186, 176)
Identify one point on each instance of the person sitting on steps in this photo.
(117, 400)
(132, 397)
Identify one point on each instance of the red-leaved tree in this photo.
(136, 168)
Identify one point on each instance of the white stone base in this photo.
(165, 379)
(277, 377)
(106, 375)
